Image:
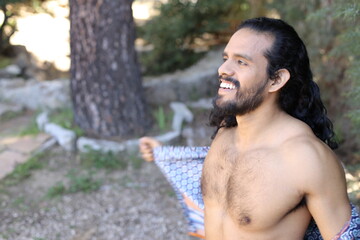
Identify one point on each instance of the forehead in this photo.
(249, 42)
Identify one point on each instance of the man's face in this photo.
(243, 77)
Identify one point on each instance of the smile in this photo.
(227, 85)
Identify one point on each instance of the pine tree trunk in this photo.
(106, 84)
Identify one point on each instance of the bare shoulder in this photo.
(312, 162)
(318, 176)
(308, 149)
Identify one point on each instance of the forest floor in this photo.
(67, 196)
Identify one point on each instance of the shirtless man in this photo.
(270, 168)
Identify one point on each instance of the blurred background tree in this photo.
(184, 30)
(106, 88)
(331, 32)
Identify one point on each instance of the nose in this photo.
(226, 69)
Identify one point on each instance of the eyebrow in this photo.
(239, 56)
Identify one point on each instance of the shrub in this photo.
(184, 27)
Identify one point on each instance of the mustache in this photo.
(230, 79)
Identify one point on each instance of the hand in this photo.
(146, 146)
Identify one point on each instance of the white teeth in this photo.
(227, 85)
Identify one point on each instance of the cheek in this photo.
(250, 78)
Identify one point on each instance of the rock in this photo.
(10, 71)
(44, 95)
(5, 108)
(6, 84)
(204, 103)
(167, 137)
(13, 70)
(46, 145)
(188, 134)
(131, 145)
(64, 137)
(181, 112)
(83, 144)
(198, 81)
(41, 120)
(197, 136)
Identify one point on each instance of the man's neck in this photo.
(253, 127)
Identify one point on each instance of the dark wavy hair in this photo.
(300, 97)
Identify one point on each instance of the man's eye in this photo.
(225, 59)
(241, 62)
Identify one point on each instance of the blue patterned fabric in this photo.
(182, 166)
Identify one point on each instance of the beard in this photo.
(245, 101)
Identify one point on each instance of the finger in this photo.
(148, 157)
(152, 142)
(145, 148)
(144, 140)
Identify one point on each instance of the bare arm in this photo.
(322, 181)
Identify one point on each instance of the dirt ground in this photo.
(130, 204)
(135, 202)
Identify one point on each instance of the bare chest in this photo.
(253, 187)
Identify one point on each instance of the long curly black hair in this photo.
(300, 97)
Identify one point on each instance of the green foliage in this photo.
(4, 61)
(31, 128)
(163, 119)
(102, 160)
(17, 202)
(57, 190)
(91, 161)
(23, 170)
(331, 31)
(347, 48)
(160, 118)
(65, 117)
(77, 183)
(9, 116)
(4, 2)
(136, 161)
(82, 183)
(183, 27)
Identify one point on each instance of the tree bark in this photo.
(106, 87)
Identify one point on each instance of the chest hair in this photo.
(228, 177)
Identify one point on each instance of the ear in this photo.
(283, 76)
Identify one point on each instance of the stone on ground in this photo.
(8, 161)
(65, 137)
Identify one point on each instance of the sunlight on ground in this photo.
(47, 37)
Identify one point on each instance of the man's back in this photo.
(261, 191)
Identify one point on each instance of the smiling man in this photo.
(270, 172)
